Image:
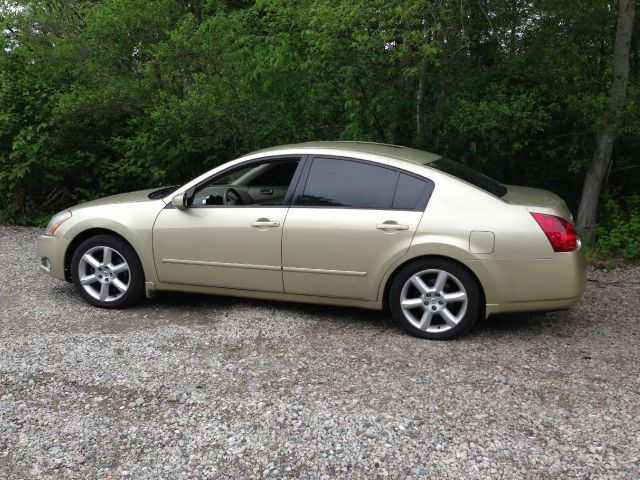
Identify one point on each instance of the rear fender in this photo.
(452, 248)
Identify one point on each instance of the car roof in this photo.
(383, 149)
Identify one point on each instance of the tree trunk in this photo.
(419, 101)
(601, 161)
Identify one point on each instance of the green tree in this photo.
(601, 161)
(109, 96)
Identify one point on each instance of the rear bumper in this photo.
(536, 284)
(537, 306)
(51, 251)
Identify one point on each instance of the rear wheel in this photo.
(107, 272)
(435, 298)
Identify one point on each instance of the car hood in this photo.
(536, 197)
(129, 197)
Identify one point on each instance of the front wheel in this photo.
(435, 298)
(107, 272)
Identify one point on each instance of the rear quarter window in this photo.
(410, 192)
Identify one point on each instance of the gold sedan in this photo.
(343, 223)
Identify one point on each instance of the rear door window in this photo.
(347, 183)
(334, 182)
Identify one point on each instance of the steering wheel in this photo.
(233, 196)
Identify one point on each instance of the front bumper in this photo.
(51, 251)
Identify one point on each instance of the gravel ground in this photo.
(188, 386)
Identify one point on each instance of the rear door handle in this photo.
(267, 191)
(264, 223)
(392, 226)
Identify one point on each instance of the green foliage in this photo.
(103, 97)
(619, 230)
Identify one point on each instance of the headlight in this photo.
(57, 220)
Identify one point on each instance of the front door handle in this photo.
(267, 191)
(392, 226)
(262, 223)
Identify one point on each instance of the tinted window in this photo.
(344, 183)
(409, 193)
(469, 175)
(261, 183)
(279, 175)
(230, 178)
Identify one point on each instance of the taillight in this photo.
(561, 234)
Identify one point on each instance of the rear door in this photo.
(349, 220)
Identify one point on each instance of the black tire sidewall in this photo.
(136, 282)
(474, 297)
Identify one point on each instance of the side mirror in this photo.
(178, 201)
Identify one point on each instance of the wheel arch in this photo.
(387, 283)
(84, 235)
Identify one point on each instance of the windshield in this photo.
(469, 175)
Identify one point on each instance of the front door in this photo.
(230, 234)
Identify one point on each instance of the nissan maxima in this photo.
(342, 223)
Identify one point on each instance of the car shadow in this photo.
(526, 323)
(503, 323)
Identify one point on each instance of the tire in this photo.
(117, 283)
(435, 298)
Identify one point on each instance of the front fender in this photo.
(133, 222)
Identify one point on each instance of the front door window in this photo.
(260, 184)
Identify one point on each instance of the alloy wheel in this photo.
(433, 300)
(104, 273)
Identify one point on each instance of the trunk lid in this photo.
(536, 197)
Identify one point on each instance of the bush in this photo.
(618, 233)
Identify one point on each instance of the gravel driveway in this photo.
(187, 386)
